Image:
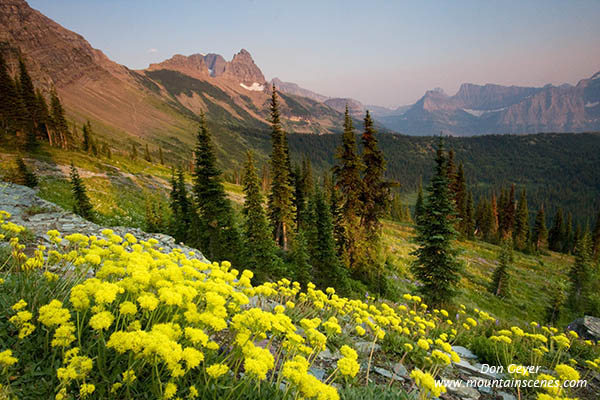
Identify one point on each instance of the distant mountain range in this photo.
(162, 102)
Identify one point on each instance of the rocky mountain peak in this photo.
(243, 68)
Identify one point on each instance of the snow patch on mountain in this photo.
(255, 87)
(590, 105)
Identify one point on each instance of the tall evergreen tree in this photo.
(58, 121)
(300, 260)
(217, 234)
(580, 274)
(521, 230)
(25, 175)
(556, 234)
(468, 224)
(501, 278)
(8, 100)
(87, 137)
(494, 212)
(280, 204)
(160, 156)
(419, 203)
(436, 266)
(29, 101)
(568, 245)
(596, 238)
(347, 174)
(539, 234)
(81, 205)
(147, 154)
(327, 268)
(459, 188)
(260, 252)
(42, 116)
(507, 222)
(182, 213)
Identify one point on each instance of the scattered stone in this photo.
(506, 396)
(327, 355)
(401, 370)
(482, 388)
(464, 392)
(365, 347)
(463, 352)
(387, 374)
(587, 327)
(319, 373)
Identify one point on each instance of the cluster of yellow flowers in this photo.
(170, 318)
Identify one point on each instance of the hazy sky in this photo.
(379, 52)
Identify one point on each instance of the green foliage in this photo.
(182, 212)
(281, 198)
(501, 278)
(260, 251)
(539, 234)
(521, 231)
(81, 205)
(25, 176)
(436, 266)
(217, 235)
(375, 392)
(580, 275)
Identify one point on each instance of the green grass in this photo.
(533, 278)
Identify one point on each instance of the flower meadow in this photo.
(113, 317)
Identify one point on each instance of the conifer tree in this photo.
(521, 230)
(436, 266)
(160, 156)
(451, 173)
(154, 216)
(460, 195)
(29, 101)
(147, 154)
(218, 236)
(568, 245)
(25, 175)
(348, 181)
(419, 203)
(58, 121)
(468, 224)
(494, 212)
(42, 116)
(280, 204)
(596, 238)
(556, 303)
(557, 232)
(501, 278)
(327, 268)
(508, 213)
(182, 213)
(87, 137)
(300, 260)
(8, 100)
(82, 205)
(539, 233)
(259, 249)
(580, 274)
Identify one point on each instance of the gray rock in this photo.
(482, 388)
(365, 347)
(319, 373)
(506, 396)
(464, 392)
(463, 352)
(587, 327)
(475, 370)
(388, 374)
(327, 355)
(400, 369)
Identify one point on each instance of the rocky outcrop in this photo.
(39, 216)
(293, 88)
(243, 69)
(587, 327)
(355, 107)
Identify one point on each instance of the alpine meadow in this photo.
(194, 230)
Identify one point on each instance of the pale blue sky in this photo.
(379, 52)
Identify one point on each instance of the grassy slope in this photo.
(119, 189)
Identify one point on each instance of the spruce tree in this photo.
(419, 203)
(328, 270)
(300, 260)
(218, 236)
(557, 232)
(160, 156)
(81, 205)
(280, 204)
(436, 266)
(182, 213)
(25, 175)
(460, 197)
(507, 222)
(539, 234)
(596, 239)
(86, 146)
(8, 100)
(580, 274)
(468, 224)
(29, 101)
(568, 245)
(347, 174)
(147, 154)
(260, 251)
(501, 278)
(521, 230)
(42, 116)
(58, 121)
